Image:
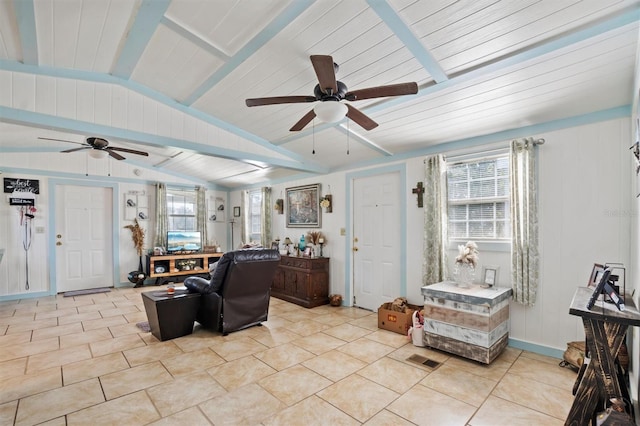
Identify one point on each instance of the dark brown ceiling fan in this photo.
(99, 144)
(331, 90)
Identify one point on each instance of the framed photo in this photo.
(303, 206)
(596, 274)
(236, 211)
(489, 276)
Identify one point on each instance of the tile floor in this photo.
(82, 360)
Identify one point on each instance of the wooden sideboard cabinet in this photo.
(302, 280)
(173, 265)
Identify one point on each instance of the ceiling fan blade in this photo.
(114, 154)
(130, 151)
(360, 118)
(279, 100)
(76, 149)
(60, 140)
(325, 71)
(383, 91)
(303, 121)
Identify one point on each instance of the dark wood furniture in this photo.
(163, 267)
(171, 316)
(605, 328)
(302, 280)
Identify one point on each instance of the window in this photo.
(181, 209)
(254, 216)
(478, 192)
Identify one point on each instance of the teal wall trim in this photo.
(535, 348)
(25, 296)
(115, 233)
(26, 17)
(348, 263)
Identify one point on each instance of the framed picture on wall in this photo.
(303, 206)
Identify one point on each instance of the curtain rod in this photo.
(539, 141)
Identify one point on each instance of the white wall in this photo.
(584, 187)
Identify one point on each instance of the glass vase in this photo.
(463, 275)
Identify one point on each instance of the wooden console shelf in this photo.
(302, 280)
(160, 267)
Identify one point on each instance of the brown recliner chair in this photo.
(237, 296)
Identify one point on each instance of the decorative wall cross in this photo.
(419, 190)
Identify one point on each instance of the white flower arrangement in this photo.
(324, 203)
(468, 254)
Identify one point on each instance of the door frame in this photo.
(348, 254)
(115, 217)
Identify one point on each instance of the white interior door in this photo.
(84, 223)
(376, 240)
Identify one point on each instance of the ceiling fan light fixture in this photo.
(98, 154)
(330, 111)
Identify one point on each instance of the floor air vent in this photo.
(419, 359)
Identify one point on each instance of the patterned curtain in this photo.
(244, 234)
(265, 215)
(434, 263)
(201, 213)
(524, 222)
(161, 215)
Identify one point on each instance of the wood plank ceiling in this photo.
(484, 67)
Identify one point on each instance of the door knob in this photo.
(58, 243)
(355, 248)
(58, 236)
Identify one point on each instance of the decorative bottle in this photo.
(302, 244)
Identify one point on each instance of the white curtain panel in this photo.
(524, 222)
(201, 212)
(161, 215)
(434, 263)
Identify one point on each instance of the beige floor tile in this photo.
(307, 328)
(366, 350)
(494, 371)
(425, 406)
(131, 309)
(354, 313)
(32, 325)
(331, 319)
(294, 384)
(312, 411)
(117, 344)
(499, 412)
(134, 379)
(276, 337)
(276, 322)
(395, 375)
(544, 398)
(146, 354)
(544, 372)
(28, 384)
(460, 384)
(96, 307)
(58, 358)
(12, 368)
(87, 316)
(243, 406)
(191, 416)
(192, 362)
(238, 348)
(136, 317)
(240, 372)
(85, 337)
(538, 357)
(319, 343)
(8, 412)
(298, 316)
(387, 418)
(199, 339)
(103, 322)
(31, 348)
(15, 339)
(184, 392)
(134, 409)
(57, 313)
(94, 367)
(124, 329)
(59, 330)
(395, 340)
(334, 365)
(58, 402)
(510, 354)
(370, 322)
(284, 356)
(347, 332)
(358, 397)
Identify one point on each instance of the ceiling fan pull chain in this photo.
(313, 127)
(348, 135)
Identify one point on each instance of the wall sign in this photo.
(21, 185)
